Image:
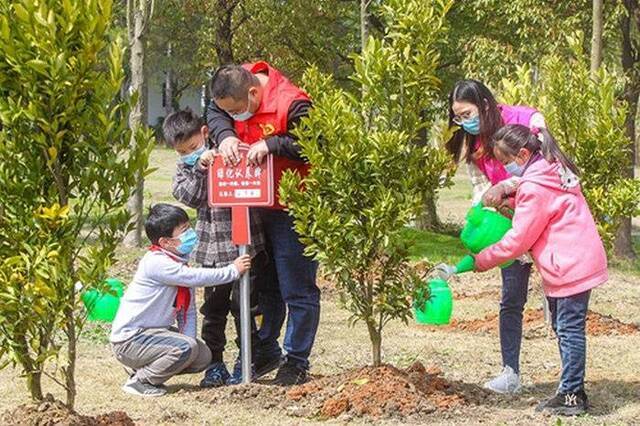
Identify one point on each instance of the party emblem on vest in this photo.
(268, 129)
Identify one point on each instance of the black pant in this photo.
(222, 299)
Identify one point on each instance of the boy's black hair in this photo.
(162, 220)
(231, 81)
(181, 125)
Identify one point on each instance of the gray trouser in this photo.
(157, 354)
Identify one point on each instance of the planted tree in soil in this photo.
(369, 177)
(67, 171)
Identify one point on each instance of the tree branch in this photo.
(146, 18)
(130, 30)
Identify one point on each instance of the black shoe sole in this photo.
(298, 381)
(567, 411)
(268, 368)
(206, 385)
(563, 411)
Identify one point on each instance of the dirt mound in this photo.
(597, 324)
(383, 392)
(50, 412)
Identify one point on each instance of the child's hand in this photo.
(444, 271)
(493, 196)
(206, 159)
(243, 263)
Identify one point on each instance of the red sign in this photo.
(243, 184)
(240, 187)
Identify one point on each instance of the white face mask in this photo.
(245, 115)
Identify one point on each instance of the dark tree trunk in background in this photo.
(629, 25)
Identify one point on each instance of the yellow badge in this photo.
(267, 129)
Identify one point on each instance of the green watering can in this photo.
(438, 307)
(103, 306)
(484, 227)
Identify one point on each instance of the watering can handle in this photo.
(466, 264)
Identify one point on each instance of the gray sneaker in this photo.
(507, 382)
(136, 387)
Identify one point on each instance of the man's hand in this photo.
(243, 263)
(493, 196)
(257, 153)
(229, 150)
(444, 271)
(206, 159)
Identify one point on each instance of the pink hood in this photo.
(554, 223)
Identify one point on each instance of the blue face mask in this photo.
(514, 169)
(472, 125)
(188, 240)
(192, 159)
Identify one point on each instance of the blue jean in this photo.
(295, 275)
(568, 318)
(515, 284)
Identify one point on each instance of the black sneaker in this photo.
(265, 365)
(566, 404)
(215, 376)
(290, 374)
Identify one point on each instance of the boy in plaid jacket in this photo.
(188, 134)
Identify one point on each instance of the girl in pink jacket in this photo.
(552, 221)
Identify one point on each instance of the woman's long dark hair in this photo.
(476, 93)
(513, 137)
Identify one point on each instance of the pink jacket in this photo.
(511, 114)
(555, 224)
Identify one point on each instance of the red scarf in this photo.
(183, 298)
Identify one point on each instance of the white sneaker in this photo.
(136, 387)
(507, 382)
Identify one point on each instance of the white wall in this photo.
(191, 97)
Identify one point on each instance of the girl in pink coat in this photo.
(552, 221)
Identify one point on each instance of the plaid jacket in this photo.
(214, 224)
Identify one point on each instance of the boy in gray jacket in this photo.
(142, 336)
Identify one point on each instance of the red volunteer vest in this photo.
(271, 119)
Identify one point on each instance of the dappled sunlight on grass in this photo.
(433, 246)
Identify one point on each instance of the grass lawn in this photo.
(613, 382)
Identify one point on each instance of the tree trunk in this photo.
(34, 384)
(429, 219)
(629, 58)
(596, 37)
(138, 26)
(364, 23)
(224, 32)
(70, 369)
(376, 343)
(168, 86)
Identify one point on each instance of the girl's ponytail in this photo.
(551, 151)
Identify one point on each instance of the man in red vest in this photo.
(255, 104)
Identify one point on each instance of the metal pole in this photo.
(245, 323)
